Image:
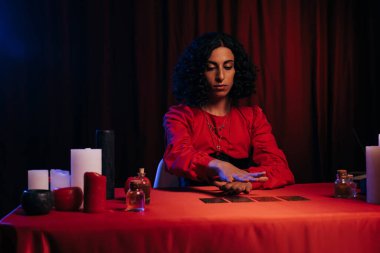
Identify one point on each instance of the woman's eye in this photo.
(228, 67)
(210, 67)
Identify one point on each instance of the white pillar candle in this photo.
(59, 179)
(379, 140)
(38, 179)
(84, 160)
(373, 174)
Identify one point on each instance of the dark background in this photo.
(70, 67)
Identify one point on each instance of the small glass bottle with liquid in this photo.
(135, 198)
(341, 186)
(145, 184)
(144, 181)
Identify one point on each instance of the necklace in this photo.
(215, 131)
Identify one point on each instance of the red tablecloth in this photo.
(177, 221)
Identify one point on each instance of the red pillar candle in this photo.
(94, 192)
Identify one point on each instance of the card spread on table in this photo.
(293, 198)
(213, 200)
(238, 199)
(265, 199)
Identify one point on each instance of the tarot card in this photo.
(238, 199)
(293, 198)
(266, 199)
(213, 200)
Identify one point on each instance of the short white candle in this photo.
(59, 179)
(373, 174)
(38, 179)
(84, 160)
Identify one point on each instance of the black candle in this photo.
(105, 140)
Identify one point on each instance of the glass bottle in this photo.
(135, 198)
(353, 185)
(145, 184)
(144, 181)
(342, 189)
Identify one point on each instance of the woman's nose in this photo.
(220, 75)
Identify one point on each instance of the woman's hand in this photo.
(234, 187)
(229, 173)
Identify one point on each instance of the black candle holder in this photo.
(105, 140)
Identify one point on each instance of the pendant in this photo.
(218, 147)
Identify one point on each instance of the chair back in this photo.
(163, 178)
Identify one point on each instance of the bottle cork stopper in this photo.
(342, 172)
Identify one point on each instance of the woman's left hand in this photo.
(234, 188)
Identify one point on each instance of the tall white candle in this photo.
(38, 179)
(84, 160)
(59, 179)
(379, 140)
(373, 174)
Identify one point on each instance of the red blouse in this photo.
(192, 135)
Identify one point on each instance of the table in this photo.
(178, 221)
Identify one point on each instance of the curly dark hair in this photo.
(189, 82)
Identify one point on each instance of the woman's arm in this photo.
(181, 158)
(267, 154)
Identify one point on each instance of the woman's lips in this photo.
(220, 86)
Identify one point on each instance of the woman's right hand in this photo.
(229, 173)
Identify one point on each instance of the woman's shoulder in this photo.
(180, 111)
(249, 111)
(253, 115)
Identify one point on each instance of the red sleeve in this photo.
(180, 157)
(267, 154)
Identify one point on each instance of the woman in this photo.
(210, 138)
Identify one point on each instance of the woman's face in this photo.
(220, 72)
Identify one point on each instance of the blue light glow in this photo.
(11, 45)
